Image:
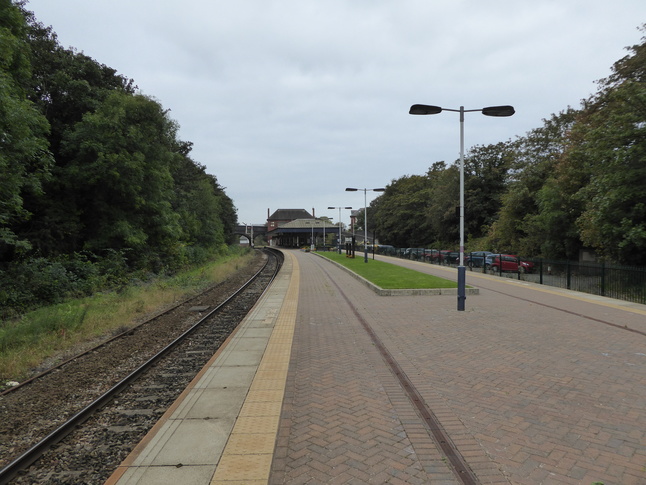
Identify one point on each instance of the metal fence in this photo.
(620, 282)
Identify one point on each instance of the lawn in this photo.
(389, 276)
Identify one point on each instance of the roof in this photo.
(306, 225)
(289, 215)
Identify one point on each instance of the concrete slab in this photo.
(186, 442)
(230, 376)
(168, 475)
(254, 343)
(240, 357)
(220, 403)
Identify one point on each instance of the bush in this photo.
(40, 281)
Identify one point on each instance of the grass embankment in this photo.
(44, 333)
(388, 276)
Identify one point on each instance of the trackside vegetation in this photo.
(49, 331)
(387, 275)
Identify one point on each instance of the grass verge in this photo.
(40, 335)
(389, 276)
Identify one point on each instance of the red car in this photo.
(509, 263)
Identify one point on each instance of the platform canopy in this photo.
(305, 225)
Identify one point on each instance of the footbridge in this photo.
(250, 231)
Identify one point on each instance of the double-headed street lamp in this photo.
(423, 109)
(339, 223)
(365, 217)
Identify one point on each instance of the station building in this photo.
(297, 228)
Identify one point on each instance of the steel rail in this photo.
(31, 455)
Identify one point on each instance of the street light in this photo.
(339, 223)
(499, 111)
(312, 239)
(365, 217)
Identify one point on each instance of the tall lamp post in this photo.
(339, 223)
(312, 239)
(423, 109)
(365, 217)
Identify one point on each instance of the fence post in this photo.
(569, 274)
(603, 278)
(540, 266)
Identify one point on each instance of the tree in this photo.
(528, 217)
(485, 181)
(63, 86)
(199, 203)
(66, 84)
(613, 144)
(25, 160)
(400, 212)
(443, 214)
(118, 180)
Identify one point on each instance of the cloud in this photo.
(288, 102)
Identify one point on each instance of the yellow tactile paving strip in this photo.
(248, 455)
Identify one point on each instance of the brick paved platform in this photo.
(534, 385)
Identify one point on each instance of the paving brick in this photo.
(528, 393)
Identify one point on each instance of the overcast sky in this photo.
(288, 102)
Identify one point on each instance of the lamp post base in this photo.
(462, 273)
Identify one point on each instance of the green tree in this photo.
(529, 217)
(400, 212)
(199, 204)
(485, 181)
(64, 85)
(228, 212)
(119, 179)
(443, 212)
(25, 160)
(612, 144)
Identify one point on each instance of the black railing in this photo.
(614, 281)
(604, 279)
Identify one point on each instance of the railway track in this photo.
(75, 423)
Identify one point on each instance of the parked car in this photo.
(386, 250)
(431, 255)
(449, 257)
(413, 253)
(476, 259)
(508, 262)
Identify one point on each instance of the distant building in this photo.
(281, 217)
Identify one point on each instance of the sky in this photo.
(288, 102)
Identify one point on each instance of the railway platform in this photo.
(327, 382)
